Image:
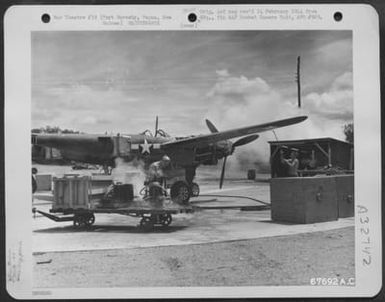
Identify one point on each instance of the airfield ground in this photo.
(206, 248)
(280, 260)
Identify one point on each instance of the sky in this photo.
(104, 81)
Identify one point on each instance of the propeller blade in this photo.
(211, 126)
(245, 140)
(223, 172)
(156, 126)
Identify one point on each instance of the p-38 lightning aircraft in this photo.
(186, 153)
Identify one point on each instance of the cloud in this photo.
(79, 107)
(222, 73)
(89, 120)
(335, 104)
(235, 100)
(343, 82)
(242, 86)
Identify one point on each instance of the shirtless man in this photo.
(292, 163)
(156, 170)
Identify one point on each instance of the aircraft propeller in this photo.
(245, 140)
(211, 126)
(223, 172)
(231, 147)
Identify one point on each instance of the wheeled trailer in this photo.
(150, 217)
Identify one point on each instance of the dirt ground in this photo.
(280, 260)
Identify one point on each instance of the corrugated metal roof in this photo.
(308, 141)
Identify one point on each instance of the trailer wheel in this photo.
(165, 219)
(195, 189)
(180, 192)
(89, 219)
(79, 221)
(146, 224)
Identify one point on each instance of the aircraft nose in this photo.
(229, 148)
(225, 147)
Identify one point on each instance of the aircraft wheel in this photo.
(180, 192)
(165, 219)
(195, 189)
(146, 224)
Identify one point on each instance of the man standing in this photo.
(156, 170)
(34, 183)
(34, 188)
(155, 177)
(292, 163)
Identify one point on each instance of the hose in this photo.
(235, 196)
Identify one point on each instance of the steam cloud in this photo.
(134, 173)
(240, 101)
(129, 173)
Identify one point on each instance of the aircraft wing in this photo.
(197, 141)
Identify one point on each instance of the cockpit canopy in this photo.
(159, 132)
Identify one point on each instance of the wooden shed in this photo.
(315, 155)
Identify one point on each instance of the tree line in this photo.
(54, 129)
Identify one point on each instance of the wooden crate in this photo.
(44, 182)
(71, 192)
(304, 199)
(345, 195)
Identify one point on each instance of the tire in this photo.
(146, 224)
(165, 219)
(180, 192)
(195, 189)
(89, 219)
(79, 221)
(83, 220)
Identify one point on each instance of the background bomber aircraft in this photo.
(186, 153)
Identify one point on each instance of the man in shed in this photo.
(292, 163)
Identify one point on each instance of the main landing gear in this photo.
(181, 192)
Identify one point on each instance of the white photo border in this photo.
(362, 20)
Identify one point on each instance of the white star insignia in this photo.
(145, 147)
